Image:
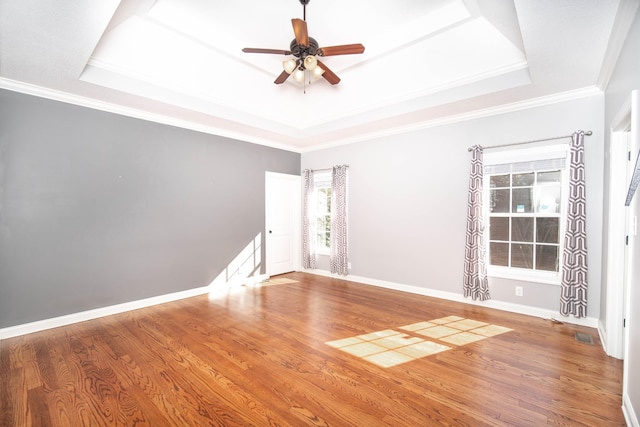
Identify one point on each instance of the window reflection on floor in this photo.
(392, 347)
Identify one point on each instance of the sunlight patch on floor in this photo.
(271, 282)
(277, 281)
(390, 347)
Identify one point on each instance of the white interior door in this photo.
(623, 145)
(282, 211)
(629, 232)
(617, 248)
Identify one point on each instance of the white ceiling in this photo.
(425, 63)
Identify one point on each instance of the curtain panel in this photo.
(338, 259)
(475, 282)
(308, 229)
(573, 299)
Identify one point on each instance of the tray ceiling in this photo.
(180, 61)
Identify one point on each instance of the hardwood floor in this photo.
(258, 356)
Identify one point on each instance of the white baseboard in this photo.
(55, 322)
(68, 319)
(630, 416)
(41, 325)
(591, 322)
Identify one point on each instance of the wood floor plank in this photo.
(13, 395)
(258, 356)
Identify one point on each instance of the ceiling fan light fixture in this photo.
(289, 65)
(298, 75)
(317, 73)
(310, 62)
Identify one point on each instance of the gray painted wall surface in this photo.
(98, 209)
(408, 199)
(625, 78)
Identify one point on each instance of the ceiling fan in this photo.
(305, 50)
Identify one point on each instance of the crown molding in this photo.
(61, 96)
(82, 101)
(624, 19)
(463, 117)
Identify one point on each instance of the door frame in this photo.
(623, 133)
(296, 233)
(616, 264)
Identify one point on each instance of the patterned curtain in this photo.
(475, 284)
(573, 299)
(308, 237)
(338, 258)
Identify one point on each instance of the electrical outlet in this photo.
(349, 265)
(518, 291)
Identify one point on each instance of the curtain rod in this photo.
(530, 142)
(325, 169)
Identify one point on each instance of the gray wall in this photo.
(408, 199)
(625, 78)
(98, 209)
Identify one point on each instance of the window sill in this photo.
(549, 278)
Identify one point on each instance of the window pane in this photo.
(548, 199)
(323, 231)
(522, 229)
(499, 254)
(499, 181)
(327, 230)
(521, 200)
(499, 228)
(521, 255)
(553, 176)
(499, 201)
(547, 230)
(324, 200)
(547, 257)
(523, 179)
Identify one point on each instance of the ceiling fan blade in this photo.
(328, 74)
(300, 30)
(284, 75)
(282, 78)
(345, 49)
(258, 50)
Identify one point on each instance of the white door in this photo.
(282, 221)
(625, 140)
(630, 219)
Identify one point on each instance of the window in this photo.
(321, 208)
(525, 214)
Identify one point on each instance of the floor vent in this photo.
(584, 338)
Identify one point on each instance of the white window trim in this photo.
(523, 155)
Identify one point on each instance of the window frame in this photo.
(321, 180)
(526, 155)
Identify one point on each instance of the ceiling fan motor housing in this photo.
(302, 51)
